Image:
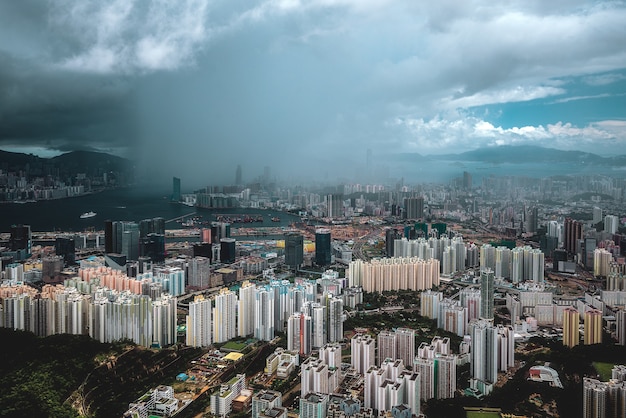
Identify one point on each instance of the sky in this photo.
(193, 88)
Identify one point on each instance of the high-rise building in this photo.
(227, 250)
(387, 348)
(571, 319)
(323, 249)
(294, 249)
(620, 331)
(65, 247)
(334, 205)
(199, 272)
(484, 355)
(264, 314)
(414, 207)
(246, 309)
(152, 246)
(405, 340)
(593, 327)
(363, 349)
(299, 333)
(199, 323)
(486, 294)
(467, 180)
(603, 399)
(224, 316)
(573, 232)
(611, 223)
(238, 180)
(335, 319)
(176, 196)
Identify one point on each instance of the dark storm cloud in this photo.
(195, 87)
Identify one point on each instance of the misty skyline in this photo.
(194, 88)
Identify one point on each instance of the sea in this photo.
(127, 204)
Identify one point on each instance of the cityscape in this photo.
(313, 208)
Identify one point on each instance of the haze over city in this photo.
(193, 88)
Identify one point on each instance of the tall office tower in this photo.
(571, 319)
(299, 333)
(238, 181)
(538, 265)
(130, 243)
(108, 236)
(533, 220)
(164, 321)
(390, 236)
(219, 230)
(322, 247)
(264, 400)
(387, 348)
(503, 263)
(601, 262)
(227, 250)
(620, 317)
(405, 340)
(264, 314)
(414, 207)
(65, 247)
(335, 319)
(225, 316)
(597, 215)
(153, 247)
(334, 205)
(483, 355)
(470, 300)
(176, 196)
(573, 232)
(467, 180)
(487, 257)
(199, 272)
(294, 249)
(486, 294)
(362, 350)
(603, 399)
(246, 311)
(593, 327)
(611, 223)
(330, 354)
(313, 405)
(430, 303)
(199, 322)
(20, 238)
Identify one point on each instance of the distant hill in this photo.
(530, 153)
(68, 164)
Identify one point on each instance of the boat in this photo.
(88, 215)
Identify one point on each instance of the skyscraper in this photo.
(573, 232)
(176, 196)
(362, 348)
(414, 207)
(322, 247)
(571, 319)
(227, 250)
(486, 293)
(264, 314)
(405, 340)
(484, 355)
(20, 239)
(593, 327)
(334, 205)
(238, 181)
(246, 311)
(224, 316)
(387, 348)
(294, 249)
(199, 322)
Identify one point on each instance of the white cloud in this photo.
(439, 135)
(125, 36)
